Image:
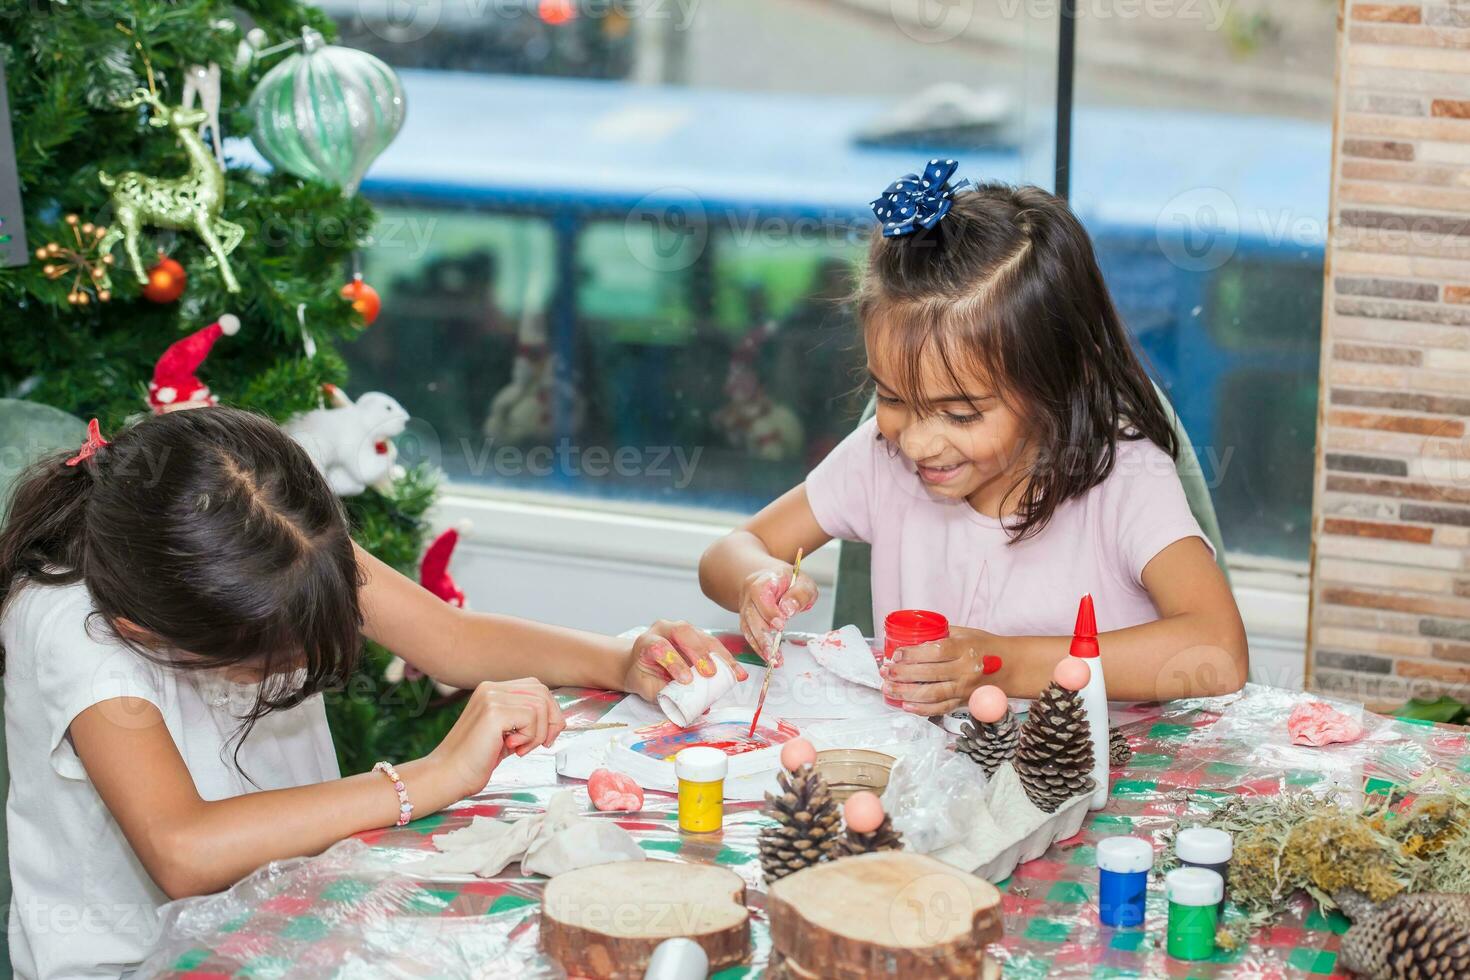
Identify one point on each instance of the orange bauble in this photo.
(364, 299)
(166, 280)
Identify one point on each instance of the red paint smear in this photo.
(734, 746)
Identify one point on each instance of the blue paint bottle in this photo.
(1123, 864)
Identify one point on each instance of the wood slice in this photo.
(782, 968)
(894, 913)
(605, 921)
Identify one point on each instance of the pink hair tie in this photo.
(89, 448)
(405, 808)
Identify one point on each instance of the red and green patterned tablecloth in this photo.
(352, 912)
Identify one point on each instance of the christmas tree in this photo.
(90, 88)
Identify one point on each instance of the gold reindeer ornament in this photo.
(192, 202)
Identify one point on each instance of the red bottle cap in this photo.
(1084, 634)
(910, 627)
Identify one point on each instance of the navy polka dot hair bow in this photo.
(916, 201)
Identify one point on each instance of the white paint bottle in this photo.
(1094, 698)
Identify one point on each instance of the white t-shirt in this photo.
(83, 905)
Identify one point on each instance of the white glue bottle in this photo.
(1094, 699)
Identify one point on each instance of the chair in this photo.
(852, 597)
(27, 431)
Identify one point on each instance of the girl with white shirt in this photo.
(173, 604)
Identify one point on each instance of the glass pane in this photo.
(459, 284)
(1201, 164)
(626, 227)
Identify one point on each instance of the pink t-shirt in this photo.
(932, 553)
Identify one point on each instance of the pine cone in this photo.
(1119, 751)
(808, 824)
(989, 743)
(1354, 904)
(1054, 754)
(1414, 937)
(885, 838)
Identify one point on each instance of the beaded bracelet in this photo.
(405, 808)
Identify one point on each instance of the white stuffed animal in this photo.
(522, 411)
(337, 398)
(350, 443)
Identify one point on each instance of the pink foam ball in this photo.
(1072, 673)
(797, 753)
(988, 704)
(863, 812)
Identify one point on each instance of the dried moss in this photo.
(1256, 877)
(1429, 825)
(1450, 869)
(1329, 852)
(1303, 842)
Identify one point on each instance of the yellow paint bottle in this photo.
(701, 774)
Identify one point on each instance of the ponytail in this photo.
(43, 537)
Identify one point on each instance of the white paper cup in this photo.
(682, 704)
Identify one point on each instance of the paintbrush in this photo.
(776, 651)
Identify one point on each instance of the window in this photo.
(458, 284)
(616, 235)
(1200, 164)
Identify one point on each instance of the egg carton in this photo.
(1010, 830)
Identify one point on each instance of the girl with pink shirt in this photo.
(1019, 458)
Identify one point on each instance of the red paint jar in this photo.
(910, 627)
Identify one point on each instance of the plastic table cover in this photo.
(357, 911)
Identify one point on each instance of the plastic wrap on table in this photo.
(895, 734)
(934, 799)
(1256, 724)
(348, 914)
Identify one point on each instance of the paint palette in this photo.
(647, 754)
(731, 737)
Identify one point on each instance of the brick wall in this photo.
(1391, 563)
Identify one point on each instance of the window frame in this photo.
(1272, 593)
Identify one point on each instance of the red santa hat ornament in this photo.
(434, 571)
(174, 384)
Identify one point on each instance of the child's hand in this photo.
(935, 678)
(515, 716)
(767, 600)
(672, 651)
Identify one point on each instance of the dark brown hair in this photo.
(211, 530)
(1006, 287)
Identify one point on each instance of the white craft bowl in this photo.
(848, 771)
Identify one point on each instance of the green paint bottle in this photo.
(1194, 894)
